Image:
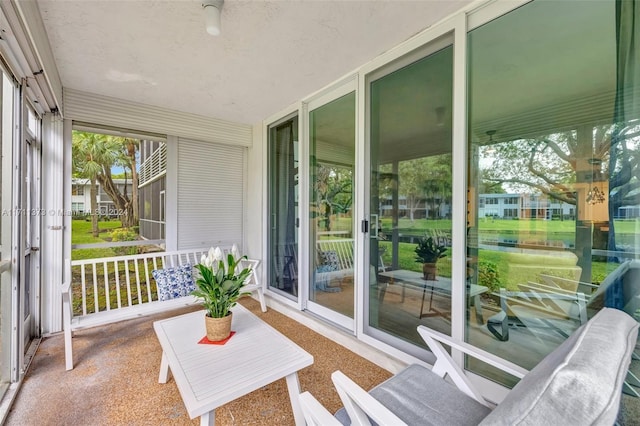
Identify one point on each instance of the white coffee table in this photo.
(209, 376)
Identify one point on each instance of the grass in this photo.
(81, 233)
(489, 225)
(406, 260)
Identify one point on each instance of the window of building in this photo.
(77, 189)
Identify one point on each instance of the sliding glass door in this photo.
(554, 143)
(332, 138)
(410, 181)
(284, 218)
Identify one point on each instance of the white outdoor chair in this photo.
(579, 383)
(252, 284)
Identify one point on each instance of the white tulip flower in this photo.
(218, 256)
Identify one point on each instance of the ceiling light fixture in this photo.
(212, 11)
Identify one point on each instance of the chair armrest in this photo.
(360, 404)
(435, 338)
(252, 279)
(551, 279)
(314, 413)
(445, 365)
(250, 263)
(544, 303)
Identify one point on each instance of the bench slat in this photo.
(95, 288)
(106, 287)
(117, 274)
(138, 288)
(84, 291)
(128, 278)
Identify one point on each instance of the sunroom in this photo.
(341, 144)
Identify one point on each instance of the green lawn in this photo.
(406, 260)
(81, 234)
(536, 230)
(418, 226)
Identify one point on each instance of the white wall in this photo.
(255, 205)
(52, 222)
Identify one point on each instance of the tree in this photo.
(555, 164)
(438, 185)
(94, 157)
(88, 156)
(413, 175)
(334, 191)
(425, 181)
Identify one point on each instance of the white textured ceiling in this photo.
(270, 53)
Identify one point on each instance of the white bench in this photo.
(343, 262)
(114, 289)
(343, 248)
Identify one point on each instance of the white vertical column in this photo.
(171, 195)
(53, 220)
(255, 206)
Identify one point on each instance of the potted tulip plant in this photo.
(219, 285)
(428, 251)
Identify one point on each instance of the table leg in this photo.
(477, 302)
(164, 369)
(294, 390)
(208, 419)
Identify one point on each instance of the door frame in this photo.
(334, 92)
(32, 205)
(287, 299)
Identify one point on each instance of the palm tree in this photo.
(88, 159)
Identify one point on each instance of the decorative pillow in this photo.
(174, 282)
(330, 258)
(325, 268)
(323, 279)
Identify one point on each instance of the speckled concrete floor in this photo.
(115, 379)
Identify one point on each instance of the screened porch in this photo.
(339, 145)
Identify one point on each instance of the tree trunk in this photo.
(94, 208)
(122, 203)
(131, 147)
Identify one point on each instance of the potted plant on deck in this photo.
(219, 285)
(428, 251)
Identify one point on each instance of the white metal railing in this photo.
(153, 167)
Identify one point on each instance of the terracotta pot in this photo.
(429, 271)
(218, 328)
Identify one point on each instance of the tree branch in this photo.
(557, 150)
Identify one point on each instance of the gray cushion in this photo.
(419, 397)
(580, 382)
